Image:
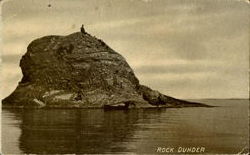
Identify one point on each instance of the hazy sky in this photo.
(183, 48)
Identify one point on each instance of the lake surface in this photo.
(223, 129)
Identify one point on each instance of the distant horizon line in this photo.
(217, 98)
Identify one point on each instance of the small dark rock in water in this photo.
(81, 71)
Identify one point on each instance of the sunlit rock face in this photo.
(81, 71)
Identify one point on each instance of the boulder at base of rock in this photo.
(81, 71)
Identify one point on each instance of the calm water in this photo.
(221, 129)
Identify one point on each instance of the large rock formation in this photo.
(80, 70)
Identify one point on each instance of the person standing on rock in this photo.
(82, 29)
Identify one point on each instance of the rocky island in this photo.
(81, 71)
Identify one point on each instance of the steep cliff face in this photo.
(80, 70)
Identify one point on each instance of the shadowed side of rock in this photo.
(81, 71)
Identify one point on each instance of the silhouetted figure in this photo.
(82, 29)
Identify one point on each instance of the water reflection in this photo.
(221, 130)
(77, 131)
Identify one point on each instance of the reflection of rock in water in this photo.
(75, 131)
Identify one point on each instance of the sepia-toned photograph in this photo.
(124, 76)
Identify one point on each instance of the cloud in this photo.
(10, 76)
(186, 37)
(199, 85)
(176, 69)
(11, 59)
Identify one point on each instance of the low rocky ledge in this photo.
(81, 71)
